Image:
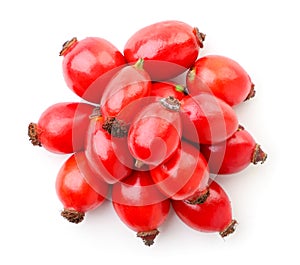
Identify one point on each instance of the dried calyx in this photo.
(73, 216)
(229, 229)
(199, 198)
(170, 103)
(117, 128)
(34, 134)
(258, 155)
(148, 237)
(200, 37)
(251, 93)
(67, 45)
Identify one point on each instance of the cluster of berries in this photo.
(142, 140)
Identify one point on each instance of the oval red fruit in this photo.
(61, 128)
(184, 175)
(234, 155)
(131, 83)
(78, 189)
(207, 119)
(140, 205)
(221, 76)
(89, 64)
(214, 215)
(109, 157)
(155, 133)
(168, 47)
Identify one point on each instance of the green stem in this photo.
(139, 64)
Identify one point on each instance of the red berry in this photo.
(167, 89)
(214, 215)
(184, 175)
(207, 119)
(89, 64)
(78, 189)
(168, 47)
(156, 132)
(223, 77)
(235, 154)
(61, 128)
(140, 205)
(109, 157)
(131, 83)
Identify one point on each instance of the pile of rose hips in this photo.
(142, 140)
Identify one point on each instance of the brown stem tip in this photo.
(199, 198)
(67, 45)
(251, 93)
(229, 229)
(258, 155)
(200, 37)
(33, 134)
(170, 103)
(116, 128)
(73, 216)
(148, 237)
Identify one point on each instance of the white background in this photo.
(263, 36)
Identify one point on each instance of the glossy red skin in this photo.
(76, 185)
(138, 202)
(155, 134)
(131, 83)
(214, 215)
(207, 119)
(168, 47)
(219, 75)
(158, 90)
(232, 156)
(166, 89)
(108, 156)
(89, 64)
(62, 127)
(183, 175)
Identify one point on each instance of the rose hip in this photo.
(207, 119)
(78, 189)
(234, 155)
(140, 205)
(61, 128)
(156, 132)
(131, 83)
(109, 157)
(214, 215)
(89, 64)
(168, 47)
(221, 76)
(167, 89)
(184, 175)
